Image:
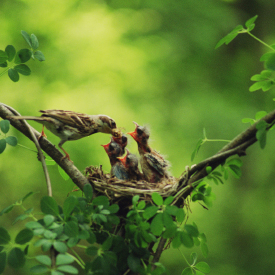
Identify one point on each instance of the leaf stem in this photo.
(26, 148)
(2, 73)
(77, 259)
(252, 35)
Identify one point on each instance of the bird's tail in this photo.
(27, 118)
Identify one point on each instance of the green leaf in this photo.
(63, 174)
(8, 208)
(135, 199)
(197, 148)
(4, 64)
(107, 244)
(187, 271)
(39, 56)
(157, 198)
(113, 208)
(33, 225)
(180, 215)
(3, 145)
(23, 56)
(10, 51)
(64, 259)
(186, 240)
(48, 220)
(204, 249)
(176, 242)
(167, 219)
(191, 230)
(27, 38)
(208, 169)
(24, 236)
(44, 259)
(11, 140)
(34, 42)
(133, 263)
(88, 192)
(68, 269)
(4, 236)
(39, 269)
(71, 229)
(16, 258)
(69, 204)
(250, 21)
(157, 224)
(60, 247)
(3, 56)
(248, 120)
(5, 126)
(3, 258)
(150, 211)
(23, 69)
(141, 205)
(203, 267)
(168, 200)
(13, 75)
(235, 161)
(101, 200)
(260, 115)
(170, 231)
(28, 195)
(91, 250)
(49, 206)
(256, 86)
(270, 63)
(235, 170)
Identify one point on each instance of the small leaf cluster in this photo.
(10, 140)
(199, 268)
(266, 79)
(14, 61)
(203, 191)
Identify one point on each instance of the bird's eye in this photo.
(113, 124)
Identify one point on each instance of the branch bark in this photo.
(77, 177)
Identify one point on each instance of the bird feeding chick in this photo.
(153, 165)
(69, 125)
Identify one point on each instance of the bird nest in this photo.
(115, 188)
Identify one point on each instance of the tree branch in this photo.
(77, 177)
(237, 146)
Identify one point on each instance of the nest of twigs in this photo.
(115, 188)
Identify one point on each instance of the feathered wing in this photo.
(70, 118)
(157, 162)
(36, 118)
(119, 172)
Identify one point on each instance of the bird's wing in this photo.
(157, 162)
(120, 172)
(69, 118)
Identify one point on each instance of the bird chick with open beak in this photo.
(153, 165)
(130, 162)
(118, 170)
(69, 125)
(122, 141)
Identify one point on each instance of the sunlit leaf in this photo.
(203, 267)
(49, 206)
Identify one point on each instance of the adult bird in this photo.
(69, 125)
(130, 162)
(118, 170)
(153, 165)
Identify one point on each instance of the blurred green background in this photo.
(152, 62)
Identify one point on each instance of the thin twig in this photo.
(40, 154)
(77, 177)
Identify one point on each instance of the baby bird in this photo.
(130, 162)
(122, 141)
(153, 165)
(118, 170)
(69, 125)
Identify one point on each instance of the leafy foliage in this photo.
(13, 61)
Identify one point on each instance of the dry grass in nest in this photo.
(115, 188)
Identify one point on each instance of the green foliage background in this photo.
(152, 62)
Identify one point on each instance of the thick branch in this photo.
(77, 177)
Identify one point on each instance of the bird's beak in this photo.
(123, 159)
(106, 147)
(134, 135)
